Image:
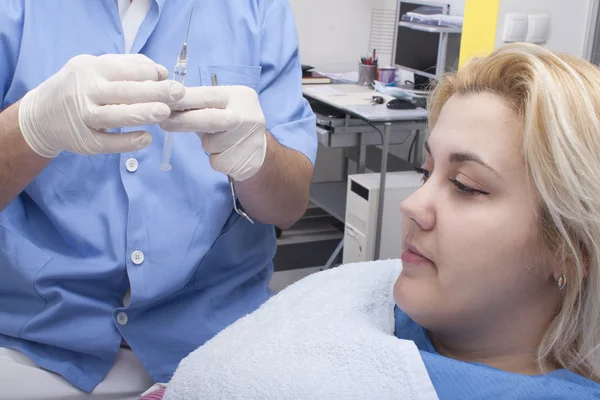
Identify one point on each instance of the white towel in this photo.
(328, 336)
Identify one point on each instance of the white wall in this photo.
(457, 7)
(333, 32)
(571, 22)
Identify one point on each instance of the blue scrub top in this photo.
(458, 380)
(66, 242)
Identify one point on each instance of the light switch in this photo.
(515, 27)
(537, 31)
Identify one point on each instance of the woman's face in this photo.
(472, 257)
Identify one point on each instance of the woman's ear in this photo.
(567, 266)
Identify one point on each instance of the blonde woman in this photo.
(499, 287)
(501, 263)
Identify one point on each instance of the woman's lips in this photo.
(413, 256)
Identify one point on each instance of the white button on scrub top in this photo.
(131, 165)
(122, 318)
(137, 257)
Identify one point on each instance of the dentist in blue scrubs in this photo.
(112, 270)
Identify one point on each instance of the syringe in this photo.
(179, 73)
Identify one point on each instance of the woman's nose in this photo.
(420, 208)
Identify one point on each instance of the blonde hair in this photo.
(557, 98)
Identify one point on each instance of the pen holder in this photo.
(366, 74)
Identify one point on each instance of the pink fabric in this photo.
(156, 395)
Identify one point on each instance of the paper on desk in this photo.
(342, 77)
(381, 112)
(355, 100)
(340, 95)
(324, 90)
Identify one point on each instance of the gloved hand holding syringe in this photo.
(254, 148)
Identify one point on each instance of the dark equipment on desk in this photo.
(400, 104)
(426, 49)
(306, 69)
(377, 100)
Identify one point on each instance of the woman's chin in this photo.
(416, 296)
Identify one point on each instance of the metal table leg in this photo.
(362, 153)
(384, 159)
(334, 255)
(345, 165)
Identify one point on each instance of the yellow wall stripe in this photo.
(479, 28)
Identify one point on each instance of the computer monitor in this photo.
(425, 50)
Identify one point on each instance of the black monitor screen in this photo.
(417, 50)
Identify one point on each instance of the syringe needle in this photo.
(179, 73)
(189, 24)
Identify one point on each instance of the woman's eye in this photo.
(461, 188)
(425, 174)
(466, 190)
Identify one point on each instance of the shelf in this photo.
(429, 28)
(304, 255)
(331, 197)
(312, 229)
(288, 240)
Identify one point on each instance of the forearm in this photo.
(19, 165)
(278, 193)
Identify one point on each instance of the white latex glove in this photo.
(73, 108)
(230, 123)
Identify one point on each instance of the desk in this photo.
(353, 102)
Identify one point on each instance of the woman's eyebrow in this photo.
(463, 157)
